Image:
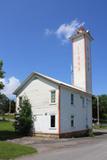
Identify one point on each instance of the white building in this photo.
(60, 109)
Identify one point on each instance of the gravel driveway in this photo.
(65, 148)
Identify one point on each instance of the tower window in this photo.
(52, 123)
(72, 98)
(53, 96)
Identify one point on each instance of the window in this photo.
(53, 96)
(20, 101)
(72, 99)
(83, 101)
(72, 121)
(52, 121)
(87, 102)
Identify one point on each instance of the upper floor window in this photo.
(87, 102)
(53, 96)
(72, 98)
(20, 101)
(83, 101)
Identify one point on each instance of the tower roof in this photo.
(80, 32)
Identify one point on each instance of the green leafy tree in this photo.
(1, 74)
(4, 104)
(1, 87)
(94, 107)
(102, 107)
(23, 123)
(13, 106)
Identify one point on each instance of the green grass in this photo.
(100, 127)
(7, 130)
(9, 116)
(6, 126)
(11, 150)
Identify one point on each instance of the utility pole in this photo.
(98, 111)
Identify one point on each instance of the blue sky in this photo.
(24, 46)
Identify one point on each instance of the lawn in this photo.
(7, 130)
(11, 150)
(9, 116)
(6, 126)
(100, 127)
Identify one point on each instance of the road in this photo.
(87, 152)
(91, 149)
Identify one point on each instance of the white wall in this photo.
(88, 66)
(82, 74)
(38, 92)
(82, 114)
(79, 79)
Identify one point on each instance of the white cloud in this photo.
(48, 32)
(65, 31)
(10, 85)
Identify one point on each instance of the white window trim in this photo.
(52, 103)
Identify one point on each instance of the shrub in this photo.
(23, 120)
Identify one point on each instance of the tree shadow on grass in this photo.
(7, 131)
(7, 135)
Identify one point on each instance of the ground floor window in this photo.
(52, 121)
(72, 120)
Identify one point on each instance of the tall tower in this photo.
(82, 70)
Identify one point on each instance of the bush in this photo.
(23, 123)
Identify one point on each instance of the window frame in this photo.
(54, 97)
(72, 120)
(54, 124)
(83, 101)
(72, 99)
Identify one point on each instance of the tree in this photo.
(94, 107)
(4, 104)
(2, 97)
(13, 106)
(1, 74)
(102, 107)
(23, 123)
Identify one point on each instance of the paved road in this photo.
(87, 152)
(90, 149)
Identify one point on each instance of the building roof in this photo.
(60, 83)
